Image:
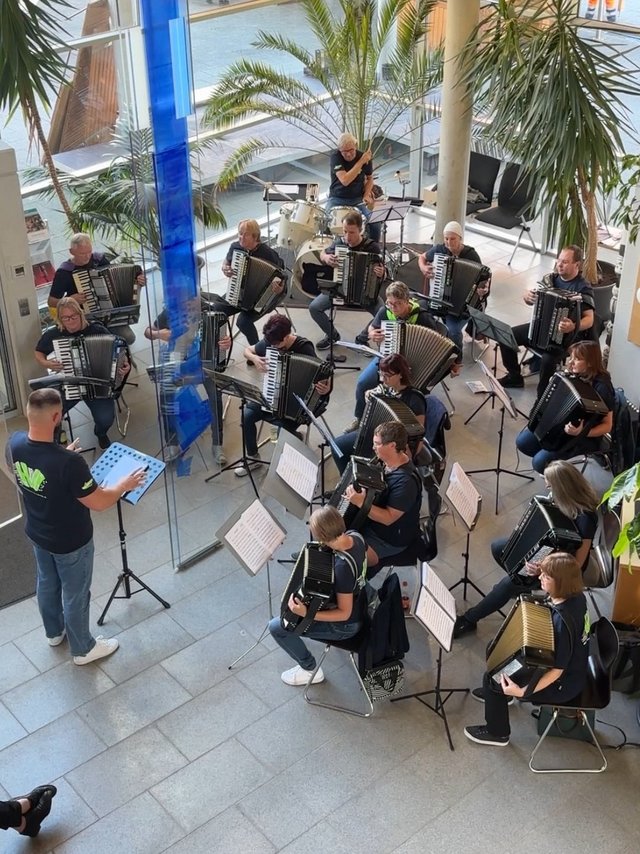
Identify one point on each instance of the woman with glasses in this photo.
(574, 496)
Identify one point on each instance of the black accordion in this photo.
(543, 529)
(111, 293)
(566, 398)
(361, 473)
(551, 306)
(359, 283)
(525, 643)
(290, 374)
(94, 357)
(429, 354)
(214, 326)
(311, 582)
(455, 284)
(249, 287)
(381, 408)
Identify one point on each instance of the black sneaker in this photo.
(481, 735)
(512, 381)
(104, 441)
(361, 338)
(463, 627)
(478, 694)
(325, 343)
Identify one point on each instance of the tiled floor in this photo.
(161, 748)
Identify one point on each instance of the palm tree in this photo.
(356, 98)
(556, 103)
(32, 68)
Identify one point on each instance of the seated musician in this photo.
(585, 360)
(327, 527)
(453, 246)
(83, 258)
(568, 277)
(352, 180)
(248, 241)
(161, 331)
(574, 496)
(277, 333)
(394, 519)
(399, 305)
(354, 240)
(395, 381)
(561, 580)
(72, 323)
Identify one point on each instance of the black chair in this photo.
(603, 650)
(602, 303)
(515, 200)
(483, 171)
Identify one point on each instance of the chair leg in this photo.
(585, 722)
(368, 707)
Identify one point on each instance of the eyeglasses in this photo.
(395, 303)
(388, 373)
(66, 317)
(347, 150)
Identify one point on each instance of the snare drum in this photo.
(309, 253)
(336, 215)
(284, 228)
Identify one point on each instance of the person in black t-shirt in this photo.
(59, 492)
(332, 623)
(278, 334)
(561, 580)
(394, 519)
(352, 180)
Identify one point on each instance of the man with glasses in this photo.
(352, 179)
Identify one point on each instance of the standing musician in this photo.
(394, 518)
(83, 258)
(72, 323)
(395, 381)
(561, 580)
(399, 306)
(248, 241)
(352, 180)
(574, 496)
(585, 360)
(454, 247)
(567, 278)
(338, 623)
(277, 333)
(353, 239)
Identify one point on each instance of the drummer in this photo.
(352, 180)
(352, 238)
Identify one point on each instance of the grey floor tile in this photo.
(19, 619)
(10, 728)
(15, 668)
(226, 833)
(322, 837)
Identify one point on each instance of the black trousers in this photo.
(550, 360)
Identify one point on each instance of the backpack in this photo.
(602, 565)
(379, 661)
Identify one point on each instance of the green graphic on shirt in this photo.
(87, 485)
(32, 479)
(587, 628)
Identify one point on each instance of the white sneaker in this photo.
(57, 640)
(218, 455)
(171, 453)
(103, 648)
(243, 470)
(297, 676)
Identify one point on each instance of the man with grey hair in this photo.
(352, 180)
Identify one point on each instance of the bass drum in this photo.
(336, 215)
(308, 267)
(284, 228)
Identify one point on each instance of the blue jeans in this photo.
(102, 409)
(528, 445)
(374, 229)
(369, 378)
(319, 308)
(455, 327)
(294, 646)
(215, 404)
(346, 442)
(63, 592)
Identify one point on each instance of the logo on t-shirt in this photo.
(88, 484)
(32, 479)
(586, 631)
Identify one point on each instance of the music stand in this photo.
(508, 406)
(329, 441)
(116, 462)
(329, 288)
(391, 210)
(467, 503)
(435, 611)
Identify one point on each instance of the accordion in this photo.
(214, 326)
(551, 306)
(359, 283)
(381, 408)
(543, 529)
(454, 284)
(94, 357)
(249, 287)
(362, 474)
(524, 644)
(111, 293)
(311, 582)
(430, 355)
(566, 398)
(290, 374)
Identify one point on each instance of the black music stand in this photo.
(329, 442)
(392, 209)
(466, 502)
(329, 289)
(115, 463)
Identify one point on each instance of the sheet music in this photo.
(435, 619)
(299, 472)
(439, 590)
(501, 393)
(463, 495)
(255, 536)
(123, 467)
